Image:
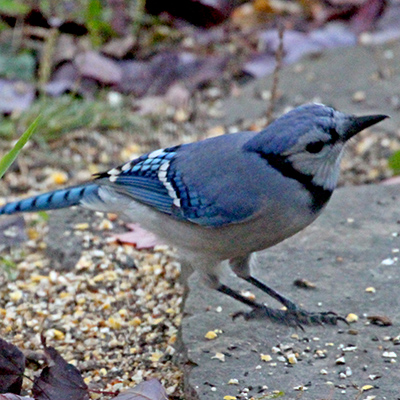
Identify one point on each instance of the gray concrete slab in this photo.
(352, 246)
(332, 78)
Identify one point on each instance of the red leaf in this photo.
(12, 367)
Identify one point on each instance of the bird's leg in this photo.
(259, 310)
(293, 314)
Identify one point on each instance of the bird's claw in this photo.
(293, 317)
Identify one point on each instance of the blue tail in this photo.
(52, 200)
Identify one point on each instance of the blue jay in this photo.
(226, 197)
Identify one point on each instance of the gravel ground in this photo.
(116, 315)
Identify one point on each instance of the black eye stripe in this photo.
(315, 147)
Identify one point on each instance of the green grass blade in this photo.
(9, 158)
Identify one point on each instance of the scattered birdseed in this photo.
(210, 335)
(374, 377)
(351, 318)
(304, 283)
(388, 261)
(59, 177)
(323, 372)
(300, 388)
(370, 289)
(233, 381)
(229, 397)
(265, 357)
(15, 296)
(249, 295)
(367, 387)
(219, 356)
(102, 316)
(389, 354)
(82, 227)
(292, 358)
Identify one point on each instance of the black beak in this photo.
(358, 124)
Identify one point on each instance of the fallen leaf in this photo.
(12, 367)
(367, 15)
(59, 380)
(15, 96)
(93, 65)
(147, 390)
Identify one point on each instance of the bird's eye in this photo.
(315, 147)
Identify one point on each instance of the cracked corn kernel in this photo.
(352, 318)
(123, 312)
(367, 387)
(16, 295)
(136, 321)
(172, 339)
(82, 227)
(265, 357)
(370, 289)
(292, 359)
(210, 335)
(233, 381)
(58, 335)
(229, 397)
(59, 177)
(106, 225)
(32, 233)
(156, 356)
(114, 323)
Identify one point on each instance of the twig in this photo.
(275, 77)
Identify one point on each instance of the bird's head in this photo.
(309, 140)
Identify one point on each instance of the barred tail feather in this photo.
(53, 200)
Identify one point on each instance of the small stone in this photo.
(359, 96)
(323, 372)
(276, 350)
(342, 375)
(340, 361)
(233, 381)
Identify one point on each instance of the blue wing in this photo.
(189, 181)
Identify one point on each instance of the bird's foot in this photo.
(296, 317)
